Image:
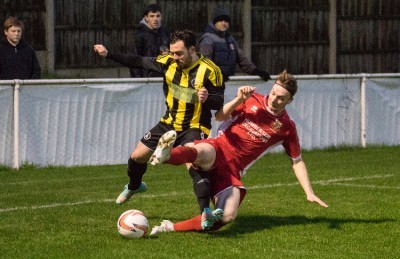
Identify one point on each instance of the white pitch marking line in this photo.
(82, 202)
(367, 186)
(47, 206)
(323, 182)
(353, 179)
(57, 180)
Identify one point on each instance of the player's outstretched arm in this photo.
(243, 93)
(300, 170)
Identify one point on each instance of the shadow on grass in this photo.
(249, 224)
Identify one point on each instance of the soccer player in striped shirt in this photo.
(193, 86)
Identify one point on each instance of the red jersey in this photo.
(253, 131)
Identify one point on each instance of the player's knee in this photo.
(228, 218)
(138, 159)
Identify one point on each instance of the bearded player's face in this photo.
(181, 54)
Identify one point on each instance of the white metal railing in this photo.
(328, 110)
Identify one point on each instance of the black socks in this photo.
(201, 187)
(135, 173)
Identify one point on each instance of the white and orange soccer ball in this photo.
(133, 224)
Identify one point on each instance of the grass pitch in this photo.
(59, 212)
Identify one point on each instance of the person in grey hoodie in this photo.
(221, 47)
(17, 59)
(151, 39)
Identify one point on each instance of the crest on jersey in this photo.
(277, 124)
(196, 84)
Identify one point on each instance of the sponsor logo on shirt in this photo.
(255, 131)
(185, 94)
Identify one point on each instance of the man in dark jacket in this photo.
(17, 59)
(220, 46)
(151, 39)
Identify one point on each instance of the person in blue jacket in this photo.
(221, 47)
(17, 59)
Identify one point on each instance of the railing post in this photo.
(16, 124)
(363, 112)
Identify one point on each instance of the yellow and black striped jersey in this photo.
(184, 110)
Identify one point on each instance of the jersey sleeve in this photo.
(136, 61)
(215, 86)
(291, 144)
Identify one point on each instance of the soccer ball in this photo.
(132, 224)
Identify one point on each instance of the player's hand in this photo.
(202, 94)
(313, 198)
(244, 92)
(101, 50)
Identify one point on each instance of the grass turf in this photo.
(59, 212)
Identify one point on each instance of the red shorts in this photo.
(225, 172)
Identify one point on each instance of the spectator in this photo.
(220, 46)
(151, 39)
(17, 59)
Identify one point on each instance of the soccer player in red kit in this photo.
(253, 125)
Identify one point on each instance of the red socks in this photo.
(182, 155)
(193, 224)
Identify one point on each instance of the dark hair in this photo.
(152, 8)
(288, 82)
(13, 21)
(187, 36)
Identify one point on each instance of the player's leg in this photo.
(201, 187)
(227, 200)
(137, 163)
(200, 179)
(204, 157)
(227, 205)
(203, 160)
(136, 170)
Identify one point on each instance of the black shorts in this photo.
(150, 139)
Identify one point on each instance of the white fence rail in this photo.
(99, 121)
